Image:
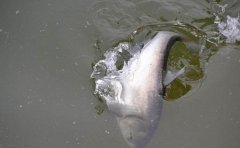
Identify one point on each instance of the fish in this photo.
(141, 87)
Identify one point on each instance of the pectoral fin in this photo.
(171, 76)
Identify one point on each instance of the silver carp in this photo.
(141, 85)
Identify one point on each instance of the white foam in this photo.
(230, 29)
(228, 26)
(106, 74)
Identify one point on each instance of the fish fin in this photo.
(171, 76)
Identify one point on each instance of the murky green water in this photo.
(47, 49)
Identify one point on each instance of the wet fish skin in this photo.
(139, 103)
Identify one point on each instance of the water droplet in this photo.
(17, 11)
(76, 64)
(88, 23)
(107, 132)
(41, 30)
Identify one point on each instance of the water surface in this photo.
(47, 49)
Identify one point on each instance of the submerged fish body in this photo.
(138, 102)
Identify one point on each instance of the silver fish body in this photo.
(139, 103)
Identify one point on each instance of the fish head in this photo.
(136, 131)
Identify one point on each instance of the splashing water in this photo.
(107, 72)
(229, 27)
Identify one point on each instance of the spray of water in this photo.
(228, 26)
(106, 72)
